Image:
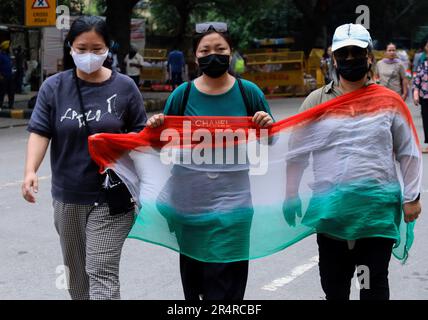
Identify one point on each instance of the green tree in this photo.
(246, 20)
(77, 7)
(118, 17)
(12, 12)
(388, 19)
(256, 19)
(397, 19)
(172, 17)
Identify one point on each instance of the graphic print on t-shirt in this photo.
(71, 114)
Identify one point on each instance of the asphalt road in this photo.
(30, 251)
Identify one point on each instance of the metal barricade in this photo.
(157, 69)
(277, 73)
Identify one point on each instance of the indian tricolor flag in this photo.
(220, 189)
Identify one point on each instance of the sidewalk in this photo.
(20, 110)
(153, 101)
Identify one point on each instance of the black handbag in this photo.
(117, 195)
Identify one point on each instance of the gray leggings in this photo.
(91, 247)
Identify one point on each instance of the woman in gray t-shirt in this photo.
(91, 236)
(391, 72)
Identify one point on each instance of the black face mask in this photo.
(214, 65)
(353, 70)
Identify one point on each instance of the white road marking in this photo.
(18, 183)
(295, 273)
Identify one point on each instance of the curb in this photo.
(150, 105)
(16, 113)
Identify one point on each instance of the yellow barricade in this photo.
(378, 54)
(277, 73)
(156, 72)
(153, 73)
(155, 54)
(313, 66)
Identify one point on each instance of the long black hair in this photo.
(79, 26)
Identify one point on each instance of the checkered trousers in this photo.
(91, 242)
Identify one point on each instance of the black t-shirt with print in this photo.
(112, 106)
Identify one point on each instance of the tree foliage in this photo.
(246, 20)
(12, 11)
(311, 22)
(118, 17)
(389, 19)
(77, 7)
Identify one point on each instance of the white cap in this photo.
(351, 35)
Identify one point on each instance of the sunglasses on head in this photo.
(206, 26)
(354, 51)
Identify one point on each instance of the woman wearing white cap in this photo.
(387, 141)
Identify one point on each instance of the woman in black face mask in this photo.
(214, 93)
(212, 47)
(352, 65)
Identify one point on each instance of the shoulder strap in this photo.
(87, 129)
(185, 98)
(250, 112)
(82, 110)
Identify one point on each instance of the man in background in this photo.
(176, 66)
(6, 79)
